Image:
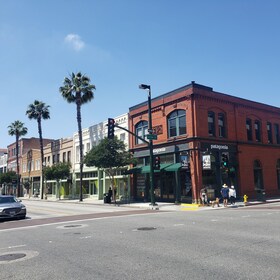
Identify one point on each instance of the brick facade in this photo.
(216, 124)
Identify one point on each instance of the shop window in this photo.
(177, 123)
(249, 129)
(269, 132)
(141, 129)
(258, 131)
(258, 175)
(276, 133)
(211, 123)
(221, 125)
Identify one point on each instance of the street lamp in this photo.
(147, 87)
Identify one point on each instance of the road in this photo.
(240, 243)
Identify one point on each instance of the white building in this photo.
(95, 181)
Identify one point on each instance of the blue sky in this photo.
(232, 46)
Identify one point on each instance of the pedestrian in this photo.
(224, 192)
(203, 196)
(110, 193)
(232, 195)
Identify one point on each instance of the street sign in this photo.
(151, 136)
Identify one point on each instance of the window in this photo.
(53, 159)
(58, 157)
(64, 157)
(122, 137)
(269, 133)
(276, 133)
(258, 131)
(211, 123)
(278, 173)
(69, 156)
(258, 176)
(177, 123)
(141, 129)
(249, 129)
(88, 147)
(221, 125)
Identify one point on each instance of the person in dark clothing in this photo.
(110, 193)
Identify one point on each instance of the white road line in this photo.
(13, 247)
(85, 220)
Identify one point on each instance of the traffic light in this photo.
(157, 163)
(111, 128)
(224, 160)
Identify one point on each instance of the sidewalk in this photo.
(162, 206)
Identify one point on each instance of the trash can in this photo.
(106, 198)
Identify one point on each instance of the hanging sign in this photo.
(206, 162)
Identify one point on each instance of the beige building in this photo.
(59, 151)
(31, 172)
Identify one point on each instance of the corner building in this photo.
(205, 139)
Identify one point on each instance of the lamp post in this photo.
(150, 130)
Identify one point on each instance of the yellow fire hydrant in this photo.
(245, 197)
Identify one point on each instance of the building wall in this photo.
(95, 181)
(197, 101)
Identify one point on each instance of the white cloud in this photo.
(75, 41)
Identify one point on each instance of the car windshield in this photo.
(7, 199)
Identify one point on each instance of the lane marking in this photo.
(82, 220)
(12, 247)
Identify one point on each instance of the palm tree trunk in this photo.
(79, 120)
(42, 156)
(17, 152)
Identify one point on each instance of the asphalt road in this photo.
(240, 243)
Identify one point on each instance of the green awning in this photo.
(133, 170)
(146, 168)
(173, 167)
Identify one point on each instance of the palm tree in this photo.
(18, 129)
(77, 89)
(39, 111)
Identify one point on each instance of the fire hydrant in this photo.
(245, 197)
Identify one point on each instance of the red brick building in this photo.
(204, 139)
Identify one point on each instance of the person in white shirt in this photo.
(232, 195)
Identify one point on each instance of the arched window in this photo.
(177, 123)
(141, 129)
(258, 176)
(249, 129)
(211, 124)
(278, 173)
(258, 130)
(222, 125)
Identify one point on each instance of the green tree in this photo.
(39, 111)
(110, 155)
(58, 171)
(7, 178)
(18, 129)
(77, 89)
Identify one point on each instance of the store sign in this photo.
(184, 161)
(206, 162)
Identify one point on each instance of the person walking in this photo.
(224, 192)
(232, 195)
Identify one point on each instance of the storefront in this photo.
(172, 183)
(219, 166)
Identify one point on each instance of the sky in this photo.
(232, 46)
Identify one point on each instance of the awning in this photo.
(133, 170)
(146, 168)
(173, 167)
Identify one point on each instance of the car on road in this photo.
(10, 207)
